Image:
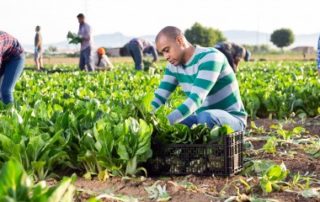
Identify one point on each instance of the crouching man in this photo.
(207, 79)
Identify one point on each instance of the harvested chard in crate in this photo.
(221, 156)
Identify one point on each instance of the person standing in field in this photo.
(86, 44)
(234, 53)
(101, 60)
(38, 49)
(137, 48)
(11, 65)
(206, 78)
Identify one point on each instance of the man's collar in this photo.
(192, 56)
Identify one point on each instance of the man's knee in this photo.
(207, 118)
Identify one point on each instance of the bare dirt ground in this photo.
(203, 189)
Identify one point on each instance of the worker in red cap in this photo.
(101, 60)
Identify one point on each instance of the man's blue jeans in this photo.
(136, 54)
(85, 59)
(214, 117)
(9, 75)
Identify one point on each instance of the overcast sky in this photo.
(147, 17)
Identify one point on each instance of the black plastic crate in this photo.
(219, 159)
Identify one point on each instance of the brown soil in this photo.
(208, 189)
(216, 188)
(310, 124)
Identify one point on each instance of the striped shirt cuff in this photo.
(175, 117)
(155, 106)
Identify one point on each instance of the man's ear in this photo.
(180, 40)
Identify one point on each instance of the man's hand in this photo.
(80, 37)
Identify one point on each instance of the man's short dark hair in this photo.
(170, 32)
(80, 15)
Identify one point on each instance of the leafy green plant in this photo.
(300, 182)
(182, 134)
(158, 192)
(97, 148)
(257, 167)
(16, 185)
(311, 193)
(39, 154)
(271, 145)
(313, 149)
(288, 134)
(134, 144)
(256, 130)
(73, 38)
(272, 177)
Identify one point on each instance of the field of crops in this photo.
(96, 128)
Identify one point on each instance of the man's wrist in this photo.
(174, 116)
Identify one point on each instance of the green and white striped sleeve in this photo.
(208, 73)
(167, 86)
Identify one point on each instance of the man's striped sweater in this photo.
(209, 83)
